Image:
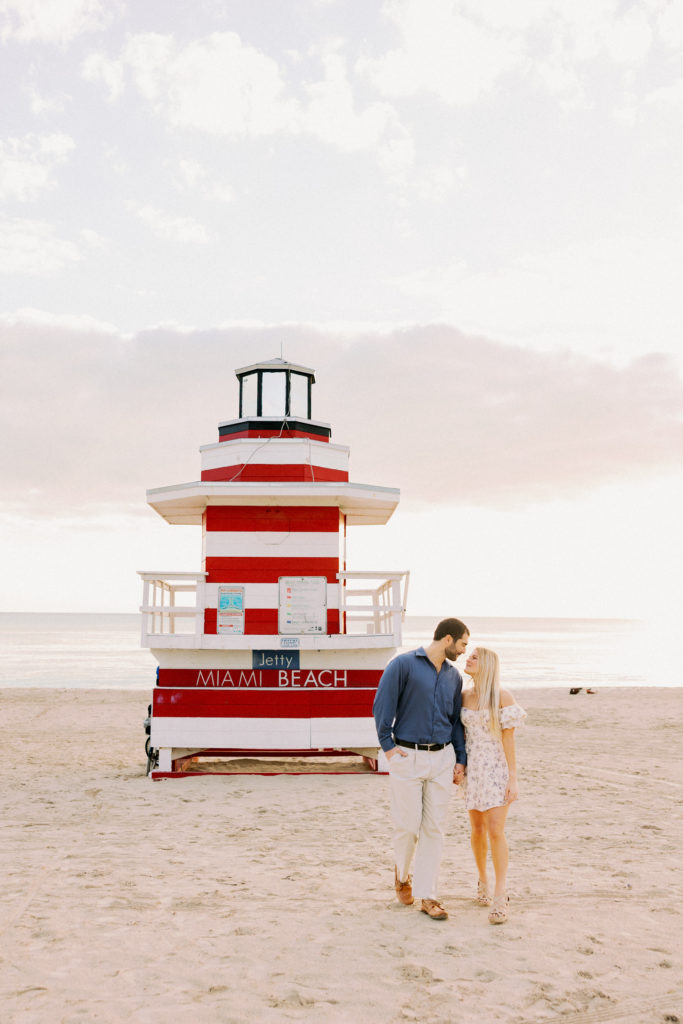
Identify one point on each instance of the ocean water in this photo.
(103, 651)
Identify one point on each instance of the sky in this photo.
(465, 215)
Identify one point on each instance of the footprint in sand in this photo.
(486, 976)
(395, 951)
(291, 1001)
(414, 972)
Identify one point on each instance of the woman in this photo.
(489, 716)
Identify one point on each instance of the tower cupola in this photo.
(275, 389)
(275, 401)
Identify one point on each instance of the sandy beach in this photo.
(249, 899)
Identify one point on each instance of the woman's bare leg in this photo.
(479, 841)
(495, 827)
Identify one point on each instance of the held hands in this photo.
(458, 773)
(511, 790)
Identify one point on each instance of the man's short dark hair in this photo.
(450, 627)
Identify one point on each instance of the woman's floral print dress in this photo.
(487, 771)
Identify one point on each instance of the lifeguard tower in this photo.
(275, 647)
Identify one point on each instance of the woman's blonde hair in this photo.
(487, 687)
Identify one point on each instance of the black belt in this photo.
(419, 746)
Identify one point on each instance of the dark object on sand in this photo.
(576, 689)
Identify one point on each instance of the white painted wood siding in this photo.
(279, 452)
(270, 544)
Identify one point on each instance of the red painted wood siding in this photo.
(268, 570)
(284, 519)
(257, 432)
(240, 703)
(273, 472)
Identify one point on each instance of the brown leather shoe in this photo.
(434, 910)
(404, 890)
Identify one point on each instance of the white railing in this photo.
(161, 616)
(379, 607)
(370, 604)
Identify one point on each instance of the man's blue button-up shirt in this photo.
(417, 704)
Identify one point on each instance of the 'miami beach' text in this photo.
(300, 678)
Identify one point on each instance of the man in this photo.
(417, 714)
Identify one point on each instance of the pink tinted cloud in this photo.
(92, 419)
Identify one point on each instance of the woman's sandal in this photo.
(483, 899)
(499, 910)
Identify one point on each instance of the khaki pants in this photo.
(421, 784)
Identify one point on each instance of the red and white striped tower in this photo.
(284, 646)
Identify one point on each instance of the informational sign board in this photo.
(303, 604)
(230, 609)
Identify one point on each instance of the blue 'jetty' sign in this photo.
(275, 659)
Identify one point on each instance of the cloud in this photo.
(630, 38)
(670, 23)
(41, 104)
(31, 247)
(448, 418)
(442, 51)
(668, 95)
(92, 239)
(53, 21)
(221, 86)
(461, 50)
(331, 116)
(171, 227)
(27, 164)
(601, 294)
(97, 67)
(192, 177)
(578, 32)
(76, 323)
(217, 84)
(438, 182)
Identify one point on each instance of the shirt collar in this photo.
(421, 653)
